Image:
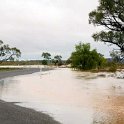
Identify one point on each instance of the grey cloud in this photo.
(54, 25)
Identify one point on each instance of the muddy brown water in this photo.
(70, 97)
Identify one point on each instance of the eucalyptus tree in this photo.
(8, 53)
(110, 15)
(47, 57)
(58, 59)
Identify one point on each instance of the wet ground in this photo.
(70, 97)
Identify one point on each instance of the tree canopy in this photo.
(8, 53)
(46, 55)
(109, 14)
(58, 59)
(84, 58)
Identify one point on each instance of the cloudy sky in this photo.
(55, 26)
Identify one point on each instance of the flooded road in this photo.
(70, 97)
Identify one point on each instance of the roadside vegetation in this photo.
(110, 16)
(8, 53)
(84, 58)
(48, 60)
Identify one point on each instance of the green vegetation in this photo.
(46, 55)
(112, 67)
(85, 59)
(57, 60)
(110, 14)
(47, 58)
(29, 62)
(8, 53)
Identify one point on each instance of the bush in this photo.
(113, 67)
(86, 59)
(44, 62)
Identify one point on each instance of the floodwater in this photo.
(68, 96)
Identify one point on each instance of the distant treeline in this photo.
(29, 62)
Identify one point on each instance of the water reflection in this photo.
(70, 97)
(1, 87)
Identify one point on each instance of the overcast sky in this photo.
(55, 26)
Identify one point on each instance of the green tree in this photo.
(86, 59)
(8, 53)
(109, 14)
(47, 57)
(58, 60)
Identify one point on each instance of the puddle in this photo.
(70, 97)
